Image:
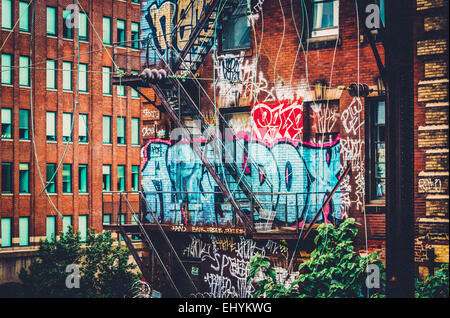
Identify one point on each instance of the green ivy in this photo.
(435, 285)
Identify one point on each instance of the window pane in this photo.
(51, 228)
(106, 80)
(135, 35)
(121, 32)
(66, 222)
(67, 24)
(236, 34)
(106, 30)
(67, 127)
(51, 74)
(6, 123)
(24, 186)
(51, 126)
(6, 177)
(24, 16)
(67, 76)
(106, 178)
(82, 179)
(24, 124)
(83, 78)
(83, 227)
(24, 71)
(83, 26)
(135, 131)
(82, 128)
(120, 178)
(7, 14)
(134, 93)
(106, 129)
(121, 88)
(51, 21)
(51, 185)
(135, 178)
(106, 218)
(6, 232)
(67, 178)
(23, 231)
(121, 130)
(6, 69)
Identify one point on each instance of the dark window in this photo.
(236, 34)
(7, 177)
(51, 185)
(67, 24)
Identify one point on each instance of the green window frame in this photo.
(135, 35)
(83, 178)
(51, 183)
(7, 61)
(121, 128)
(51, 74)
(83, 227)
(24, 16)
(325, 19)
(51, 21)
(67, 31)
(24, 71)
(106, 219)
(121, 218)
(107, 36)
(66, 222)
(121, 27)
(106, 177)
(67, 178)
(24, 231)
(24, 175)
(106, 79)
(50, 226)
(135, 131)
(7, 179)
(67, 127)
(121, 184)
(67, 76)
(121, 88)
(83, 128)
(236, 34)
(83, 78)
(51, 126)
(107, 129)
(7, 123)
(24, 124)
(134, 178)
(83, 26)
(6, 228)
(134, 93)
(7, 14)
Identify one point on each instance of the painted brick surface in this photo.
(429, 4)
(431, 47)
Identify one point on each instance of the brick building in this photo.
(54, 75)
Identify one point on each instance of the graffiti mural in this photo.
(292, 178)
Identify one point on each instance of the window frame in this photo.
(317, 32)
(25, 129)
(6, 222)
(23, 5)
(109, 139)
(83, 123)
(24, 82)
(107, 24)
(24, 238)
(51, 73)
(52, 186)
(67, 126)
(134, 178)
(8, 178)
(121, 121)
(5, 13)
(67, 189)
(26, 173)
(7, 74)
(68, 33)
(135, 35)
(54, 136)
(85, 189)
(233, 22)
(7, 125)
(108, 180)
(50, 228)
(65, 71)
(121, 178)
(54, 32)
(106, 76)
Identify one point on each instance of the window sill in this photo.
(52, 141)
(71, 193)
(6, 139)
(83, 193)
(7, 85)
(25, 194)
(52, 89)
(25, 32)
(26, 87)
(7, 194)
(323, 42)
(52, 36)
(24, 140)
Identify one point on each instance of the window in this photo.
(83, 128)
(236, 34)
(135, 35)
(134, 178)
(67, 24)
(24, 16)
(121, 218)
(120, 178)
(51, 74)
(24, 231)
(67, 127)
(83, 227)
(121, 32)
(7, 14)
(106, 30)
(106, 129)
(106, 218)
(82, 179)
(325, 17)
(66, 222)
(106, 177)
(24, 71)
(7, 177)
(135, 131)
(51, 21)
(51, 228)
(24, 124)
(134, 93)
(120, 88)
(83, 26)
(67, 178)
(376, 147)
(106, 80)
(51, 183)
(83, 78)
(6, 123)
(6, 232)
(67, 76)
(121, 130)
(51, 126)
(6, 69)
(24, 186)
